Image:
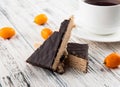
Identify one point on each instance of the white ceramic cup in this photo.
(99, 19)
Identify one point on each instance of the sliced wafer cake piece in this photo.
(45, 54)
(65, 32)
(78, 56)
(50, 54)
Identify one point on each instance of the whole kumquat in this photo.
(112, 60)
(40, 19)
(46, 32)
(7, 32)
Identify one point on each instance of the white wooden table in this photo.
(15, 72)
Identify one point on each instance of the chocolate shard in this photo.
(49, 54)
(78, 56)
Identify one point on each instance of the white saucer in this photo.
(81, 33)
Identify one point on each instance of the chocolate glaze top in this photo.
(79, 50)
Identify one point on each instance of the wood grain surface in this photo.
(15, 72)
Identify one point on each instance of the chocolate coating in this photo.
(79, 50)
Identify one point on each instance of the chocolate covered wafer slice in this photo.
(45, 54)
(65, 32)
(78, 56)
(49, 54)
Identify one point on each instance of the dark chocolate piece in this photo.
(78, 56)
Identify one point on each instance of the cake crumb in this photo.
(37, 45)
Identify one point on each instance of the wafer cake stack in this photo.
(56, 52)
